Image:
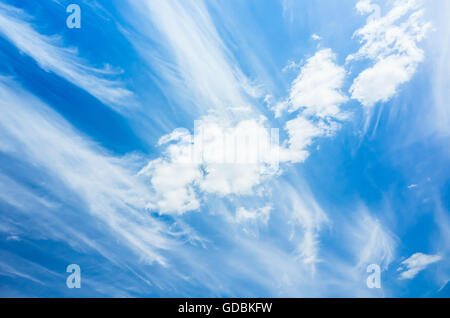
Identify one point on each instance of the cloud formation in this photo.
(267, 225)
(107, 190)
(391, 43)
(316, 95)
(52, 56)
(317, 88)
(217, 159)
(416, 263)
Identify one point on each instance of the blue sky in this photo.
(96, 124)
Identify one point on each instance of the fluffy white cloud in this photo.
(226, 179)
(172, 177)
(391, 43)
(316, 94)
(416, 263)
(243, 215)
(218, 159)
(302, 133)
(173, 184)
(317, 87)
(236, 159)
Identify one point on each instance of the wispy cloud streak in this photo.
(52, 56)
(108, 190)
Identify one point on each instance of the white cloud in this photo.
(366, 6)
(307, 219)
(13, 238)
(49, 53)
(316, 94)
(173, 183)
(317, 88)
(201, 73)
(173, 176)
(371, 241)
(417, 263)
(11, 271)
(218, 159)
(380, 82)
(391, 43)
(244, 215)
(250, 156)
(250, 220)
(291, 65)
(302, 133)
(226, 179)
